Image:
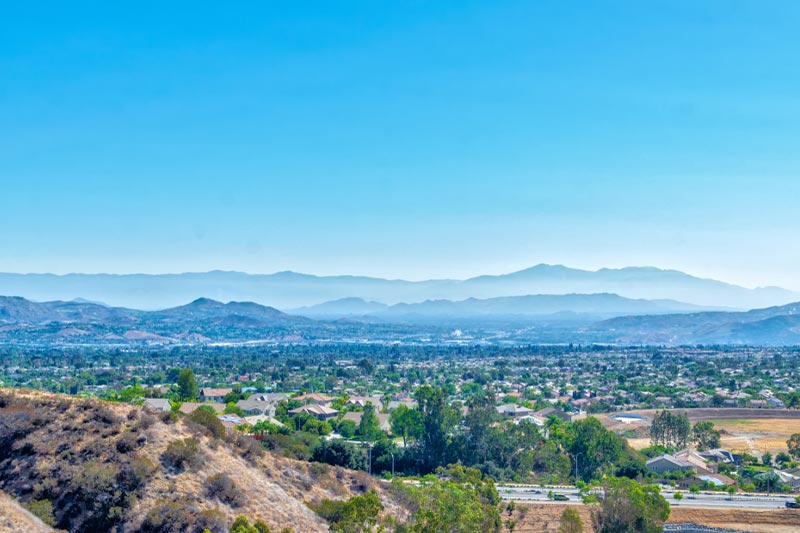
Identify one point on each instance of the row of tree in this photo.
(673, 430)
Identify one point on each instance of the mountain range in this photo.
(508, 308)
(206, 321)
(290, 290)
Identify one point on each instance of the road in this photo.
(708, 500)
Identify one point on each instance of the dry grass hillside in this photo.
(14, 518)
(114, 467)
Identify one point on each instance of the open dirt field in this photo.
(784, 521)
(743, 430)
(751, 436)
(545, 518)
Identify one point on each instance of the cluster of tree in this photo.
(672, 430)
(436, 434)
(626, 505)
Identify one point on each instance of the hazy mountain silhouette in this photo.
(290, 290)
(509, 307)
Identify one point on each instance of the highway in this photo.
(707, 500)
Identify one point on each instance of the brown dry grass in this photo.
(545, 517)
(276, 489)
(14, 518)
(783, 521)
(748, 435)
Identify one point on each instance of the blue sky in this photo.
(401, 139)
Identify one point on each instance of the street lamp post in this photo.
(576, 465)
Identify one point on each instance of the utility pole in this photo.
(390, 453)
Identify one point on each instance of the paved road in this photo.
(709, 500)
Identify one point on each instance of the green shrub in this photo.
(169, 517)
(182, 452)
(222, 486)
(209, 421)
(212, 520)
(359, 513)
(43, 510)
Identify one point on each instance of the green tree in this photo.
(480, 417)
(705, 436)
(571, 521)
(368, 427)
(766, 459)
(465, 503)
(346, 428)
(793, 445)
(438, 420)
(594, 446)
(406, 423)
(356, 515)
(670, 429)
(627, 506)
(187, 385)
(338, 452)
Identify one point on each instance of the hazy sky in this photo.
(402, 139)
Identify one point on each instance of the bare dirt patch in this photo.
(783, 521)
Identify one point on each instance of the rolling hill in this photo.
(769, 326)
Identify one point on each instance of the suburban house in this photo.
(314, 398)
(214, 395)
(718, 480)
(552, 411)
(530, 418)
(667, 463)
(514, 411)
(699, 462)
(394, 404)
(718, 455)
(784, 477)
(190, 407)
(383, 419)
(255, 407)
(320, 412)
(158, 404)
(274, 397)
(362, 401)
(255, 419)
(231, 421)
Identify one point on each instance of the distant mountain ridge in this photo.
(507, 307)
(290, 290)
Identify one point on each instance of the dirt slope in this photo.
(14, 518)
(102, 465)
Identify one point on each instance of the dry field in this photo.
(543, 518)
(751, 436)
(743, 430)
(784, 521)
